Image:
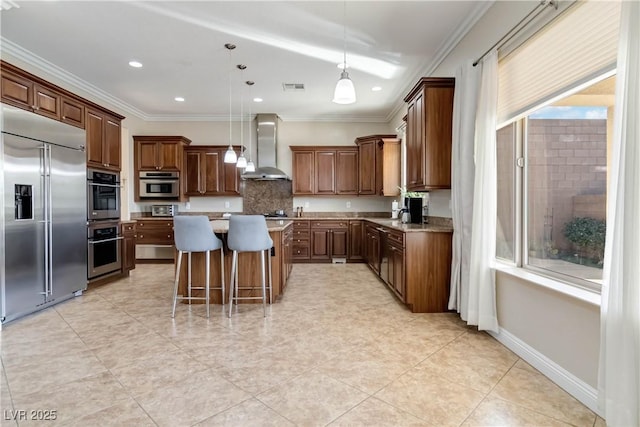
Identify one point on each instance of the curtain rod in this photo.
(520, 26)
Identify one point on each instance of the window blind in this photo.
(574, 48)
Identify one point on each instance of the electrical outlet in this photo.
(187, 205)
(306, 204)
(348, 205)
(227, 205)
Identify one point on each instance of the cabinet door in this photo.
(129, 254)
(339, 239)
(193, 173)
(415, 147)
(211, 175)
(438, 106)
(355, 240)
(325, 172)
(147, 155)
(169, 156)
(396, 270)
(347, 172)
(231, 180)
(112, 143)
(17, 91)
(46, 102)
(320, 244)
(303, 165)
(72, 112)
(95, 138)
(367, 168)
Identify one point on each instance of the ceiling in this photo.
(88, 44)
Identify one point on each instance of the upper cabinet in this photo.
(324, 170)
(429, 123)
(103, 140)
(379, 165)
(28, 92)
(206, 173)
(159, 153)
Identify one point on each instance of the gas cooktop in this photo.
(275, 215)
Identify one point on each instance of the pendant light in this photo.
(230, 155)
(251, 167)
(345, 92)
(242, 161)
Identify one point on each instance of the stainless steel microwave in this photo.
(159, 185)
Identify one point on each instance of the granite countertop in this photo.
(396, 224)
(222, 225)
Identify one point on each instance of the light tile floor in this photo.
(338, 350)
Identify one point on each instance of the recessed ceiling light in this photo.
(257, 99)
(179, 99)
(376, 89)
(135, 64)
(342, 65)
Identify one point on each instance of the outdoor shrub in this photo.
(587, 234)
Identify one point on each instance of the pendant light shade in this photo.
(230, 155)
(241, 161)
(251, 167)
(345, 92)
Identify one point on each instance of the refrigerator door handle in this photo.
(50, 224)
(45, 216)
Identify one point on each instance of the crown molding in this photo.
(76, 82)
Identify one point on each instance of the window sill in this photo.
(585, 295)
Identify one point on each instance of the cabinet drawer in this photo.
(300, 225)
(300, 251)
(149, 237)
(155, 224)
(301, 234)
(396, 237)
(330, 224)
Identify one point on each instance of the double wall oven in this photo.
(104, 239)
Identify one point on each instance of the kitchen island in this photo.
(249, 264)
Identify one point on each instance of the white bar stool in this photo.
(249, 233)
(193, 233)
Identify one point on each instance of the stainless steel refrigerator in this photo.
(43, 239)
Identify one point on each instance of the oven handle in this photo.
(94, 242)
(103, 185)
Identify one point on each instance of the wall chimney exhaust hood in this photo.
(267, 125)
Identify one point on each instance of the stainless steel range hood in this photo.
(267, 125)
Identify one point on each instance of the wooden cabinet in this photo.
(329, 239)
(372, 247)
(287, 255)
(103, 140)
(428, 140)
(416, 265)
(128, 246)
(206, 174)
(303, 166)
(24, 90)
(300, 241)
(154, 232)
(356, 232)
(324, 170)
(159, 152)
(379, 165)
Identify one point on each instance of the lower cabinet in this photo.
(300, 241)
(287, 255)
(154, 232)
(329, 239)
(128, 246)
(415, 265)
(356, 249)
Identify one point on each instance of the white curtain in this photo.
(482, 279)
(619, 376)
(465, 102)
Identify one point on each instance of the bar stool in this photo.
(194, 234)
(248, 233)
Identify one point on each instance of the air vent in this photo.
(293, 87)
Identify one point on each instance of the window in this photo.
(562, 190)
(556, 95)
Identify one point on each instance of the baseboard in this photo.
(573, 385)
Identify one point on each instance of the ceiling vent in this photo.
(293, 87)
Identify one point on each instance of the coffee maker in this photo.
(414, 207)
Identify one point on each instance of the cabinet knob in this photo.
(141, 236)
(64, 117)
(169, 235)
(141, 224)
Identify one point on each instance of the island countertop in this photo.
(222, 225)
